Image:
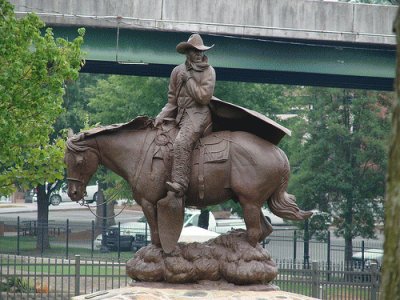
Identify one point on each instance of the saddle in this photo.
(213, 148)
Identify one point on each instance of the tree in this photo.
(34, 67)
(391, 263)
(338, 158)
(122, 98)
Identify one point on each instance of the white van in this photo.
(61, 195)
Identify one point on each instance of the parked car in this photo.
(133, 234)
(273, 219)
(370, 256)
(61, 195)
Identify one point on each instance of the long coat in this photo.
(191, 97)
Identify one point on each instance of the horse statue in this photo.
(226, 165)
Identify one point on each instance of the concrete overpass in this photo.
(306, 42)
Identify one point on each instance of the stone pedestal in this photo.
(156, 293)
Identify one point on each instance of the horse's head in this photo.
(81, 161)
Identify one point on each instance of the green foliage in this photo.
(17, 285)
(33, 69)
(122, 98)
(75, 101)
(338, 157)
(267, 99)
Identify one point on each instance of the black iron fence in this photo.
(66, 239)
(24, 277)
(28, 266)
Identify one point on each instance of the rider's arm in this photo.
(169, 109)
(202, 91)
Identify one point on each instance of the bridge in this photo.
(305, 42)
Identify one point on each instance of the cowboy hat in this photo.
(194, 41)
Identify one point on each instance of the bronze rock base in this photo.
(228, 258)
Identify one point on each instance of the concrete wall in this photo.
(302, 19)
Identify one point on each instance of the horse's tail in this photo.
(283, 204)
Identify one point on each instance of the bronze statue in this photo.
(233, 157)
(227, 165)
(191, 87)
(199, 151)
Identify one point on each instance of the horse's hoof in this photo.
(252, 237)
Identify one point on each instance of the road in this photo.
(75, 213)
(281, 242)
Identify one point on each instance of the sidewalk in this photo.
(6, 208)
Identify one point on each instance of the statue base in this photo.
(171, 293)
(227, 258)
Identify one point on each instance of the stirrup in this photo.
(175, 187)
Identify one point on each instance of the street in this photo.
(59, 214)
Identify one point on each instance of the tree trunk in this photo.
(100, 214)
(42, 241)
(348, 231)
(391, 261)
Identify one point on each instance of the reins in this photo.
(82, 203)
(142, 154)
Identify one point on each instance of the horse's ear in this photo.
(70, 133)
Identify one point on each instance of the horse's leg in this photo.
(149, 211)
(266, 227)
(251, 214)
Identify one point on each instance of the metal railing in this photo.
(67, 239)
(55, 278)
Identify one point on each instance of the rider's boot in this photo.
(176, 187)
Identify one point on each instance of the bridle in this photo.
(82, 201)
(75, 179)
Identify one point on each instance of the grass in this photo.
(27, 247)
(52, 267)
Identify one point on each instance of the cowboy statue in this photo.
(191, 87)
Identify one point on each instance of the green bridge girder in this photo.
(249, 59)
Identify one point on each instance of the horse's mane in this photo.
(140, 122)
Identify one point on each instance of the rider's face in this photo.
(195, 55)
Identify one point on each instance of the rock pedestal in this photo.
(225, 268)
(229, 258)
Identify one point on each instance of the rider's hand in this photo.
(158, 122)
(184, 76)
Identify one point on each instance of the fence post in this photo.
(315, 279)
(92, 246)
(362, 255)
(374, 281)
(119, 240)
(41, 227)
(77, 274)
(18, 235)
(306, 263)
(67, 240)
(294, 246)
(328, 261)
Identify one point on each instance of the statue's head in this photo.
(81, 162)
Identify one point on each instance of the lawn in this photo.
(27, 247)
